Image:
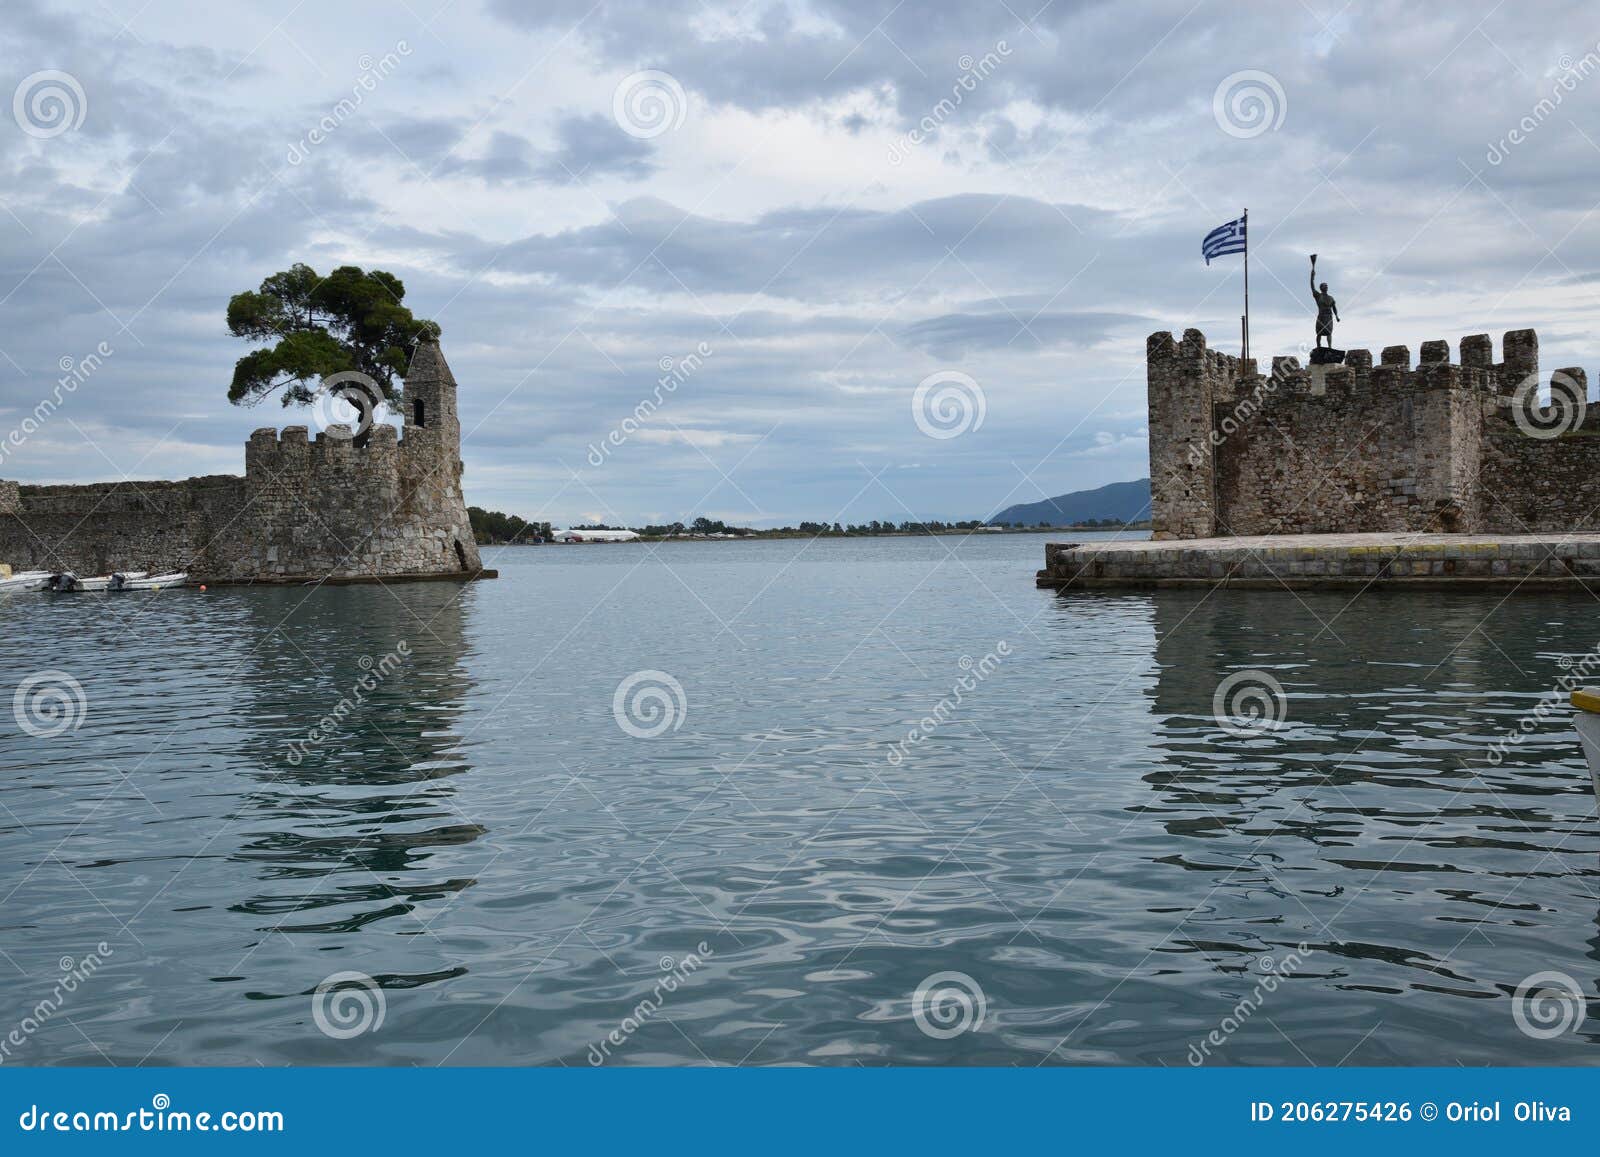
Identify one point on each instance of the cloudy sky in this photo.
(834, 200)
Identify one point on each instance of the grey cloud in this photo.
(954, 335)
(761, 56)
(586, 147)
(592, 146)
(815, 254)
(1390, 93)
(425, 142)
(507, 158)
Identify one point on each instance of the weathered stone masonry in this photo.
(1361, 447)
(304, 509)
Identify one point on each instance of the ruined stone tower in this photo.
(430, 454)
(431, 424)
(306, 510)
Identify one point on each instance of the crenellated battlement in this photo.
(1395, 371)
(1390, 445)
(271, 453)
(381, 434)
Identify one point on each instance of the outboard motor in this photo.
(61, 581)
(118, 580)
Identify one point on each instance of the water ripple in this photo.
(245, 812)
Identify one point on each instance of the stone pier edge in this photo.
(1335, 561)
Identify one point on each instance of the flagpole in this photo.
(1247, 283)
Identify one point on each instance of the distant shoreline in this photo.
(791, 534)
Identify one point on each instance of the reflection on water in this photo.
(1398, 818)
(425, 786)
(353, 802)
(254, 769)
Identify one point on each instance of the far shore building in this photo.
(595, 535)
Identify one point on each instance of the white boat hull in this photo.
(151, 582)
(1588, 725)
(32, 580)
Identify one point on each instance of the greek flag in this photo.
(1224, 239)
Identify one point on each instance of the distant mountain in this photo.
(1124, 501)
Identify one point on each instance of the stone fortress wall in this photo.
(306, 509)
(1359, 447)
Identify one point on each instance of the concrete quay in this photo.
(1528, 562)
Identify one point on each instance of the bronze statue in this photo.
(1327, 310)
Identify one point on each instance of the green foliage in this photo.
(350, 320)
(492, 526)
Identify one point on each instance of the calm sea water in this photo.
(1071, 862)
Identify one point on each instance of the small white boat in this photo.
(65, 581)
(1587, 701)
(28, 580)
(131, 582)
